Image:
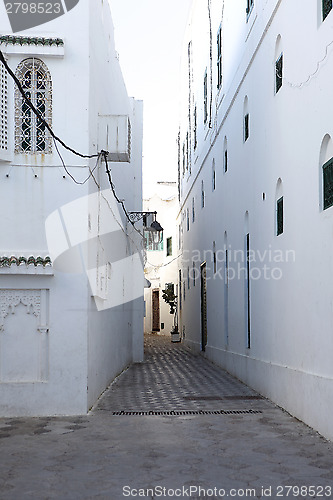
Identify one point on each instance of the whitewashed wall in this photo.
(289, 359)
(82, 350)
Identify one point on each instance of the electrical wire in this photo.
(67, 171)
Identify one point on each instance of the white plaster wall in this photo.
(86, 348)
(289, 360)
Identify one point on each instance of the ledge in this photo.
(32, 45)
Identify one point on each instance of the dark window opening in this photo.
(246, 127)
(279, 216)
(326, 7)
(219, 58)
(328, 183)
(169, 246)
(278, 73)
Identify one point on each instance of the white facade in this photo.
(161, 265)
(69, 327)
(270, 321)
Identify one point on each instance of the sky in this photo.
(149, 37)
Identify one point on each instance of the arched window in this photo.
(31, 134)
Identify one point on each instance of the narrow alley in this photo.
(173, 426)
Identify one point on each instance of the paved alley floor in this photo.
(175, 426)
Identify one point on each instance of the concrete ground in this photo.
(175, 426)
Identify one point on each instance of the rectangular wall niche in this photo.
(24, 349)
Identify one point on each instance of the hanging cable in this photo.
(39, 116)
(67, 171)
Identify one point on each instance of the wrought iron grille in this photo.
(31, 134)
(3, 108)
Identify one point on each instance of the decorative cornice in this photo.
(36, 261)
(28, 40)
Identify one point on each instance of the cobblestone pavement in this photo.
(225, 440)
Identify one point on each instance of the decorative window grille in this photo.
(328, 183)
(246, 127)
(31, 134)
(205, 98)
(3, 108)
(195, 128)
(279, 216)
(278, 73)
(219, 57)
(326, 7)
(169, 246)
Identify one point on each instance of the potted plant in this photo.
(171, 299)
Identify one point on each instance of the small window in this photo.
(150, 244)
(249, 7)
(169, 246)
(202, 194)
(187, 152)
(193, 272)
(188, 277)
(279, 216)
(195, 127)
(219, 57)
(213, 176)
(226, 160)
(246, 127)
(205, 98)
(278, 73)
(193, 209)
(328, 183)
(184, 158)
(214, 257)
(326, 7)
(187, 219)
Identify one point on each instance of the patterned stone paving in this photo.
(174, 378)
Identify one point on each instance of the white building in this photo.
(161, 267)
(256, 197)
(71, 316)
